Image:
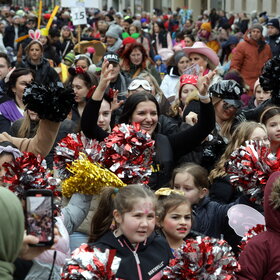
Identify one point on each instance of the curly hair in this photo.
(126, 56)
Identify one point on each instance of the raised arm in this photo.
(90, 114)
(41, 143)
(185, 141)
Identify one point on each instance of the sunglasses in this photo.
(139, 83)
(227, 106)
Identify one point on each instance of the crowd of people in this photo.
(197, 87)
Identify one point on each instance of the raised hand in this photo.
(203, 82)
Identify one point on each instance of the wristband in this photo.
(203, 97)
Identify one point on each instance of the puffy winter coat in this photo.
(249, 61)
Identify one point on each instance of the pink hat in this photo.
(201, 48)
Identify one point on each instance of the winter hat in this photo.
(137, 23)
(114, 31)
(157, 57)
(128, 40)
(111, 33)
(188, 79)
(228, 90)
(257, 26)
(274, 22)
(178, 56)
(70, 57)
(206, 26)
(111, 57)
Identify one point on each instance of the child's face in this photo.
(158, 62)
(261, 95)
(260, 134)
(3, 159)
(186, 90)
(185, 182)
(138, 224)
(273, 129)
(177, 224)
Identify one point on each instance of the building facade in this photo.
(198, 6)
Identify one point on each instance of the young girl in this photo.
(143, 253)
(221, 189)
(210, 217)
(271, 119)
(174, 217)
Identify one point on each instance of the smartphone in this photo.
(39, 216)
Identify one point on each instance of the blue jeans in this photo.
(76, 239)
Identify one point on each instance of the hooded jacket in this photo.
(142, 262)
(11, 232)
(260, 258)
(248, 61)
(170, 83)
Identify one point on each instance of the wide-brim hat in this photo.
(100, 49)
(201, 48)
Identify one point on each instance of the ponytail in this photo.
(123, 200)
(103, 216)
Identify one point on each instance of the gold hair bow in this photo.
(168, 191)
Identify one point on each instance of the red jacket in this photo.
(248, 61)
(260, 259)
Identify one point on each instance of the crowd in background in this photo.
(191, 83)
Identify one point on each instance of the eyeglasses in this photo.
(139, 83)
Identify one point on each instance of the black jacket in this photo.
(222, 190)
(44, 72)
(274, 43)
(153, 255)
(9, 35)
(168, 148)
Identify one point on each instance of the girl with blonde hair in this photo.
(221, 189)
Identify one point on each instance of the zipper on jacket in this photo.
(136, 259)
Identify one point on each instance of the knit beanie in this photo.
(178, 56)
(70, 57)
(257, 26)
(137, 23)
(128, 40)
(274, 22)
(206, 26)
(114, 31)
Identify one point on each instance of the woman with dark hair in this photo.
(143, 108)
(13, 109)
(136, 61)
(160, 37)
(177, 64)
(81, 83)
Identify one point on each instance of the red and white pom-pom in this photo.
(90, 263)
(202, 258)
(128, 152)
(29, 172)
(250, 166)
(68, 150)
(254, 231)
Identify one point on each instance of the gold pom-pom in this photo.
(89, 178)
